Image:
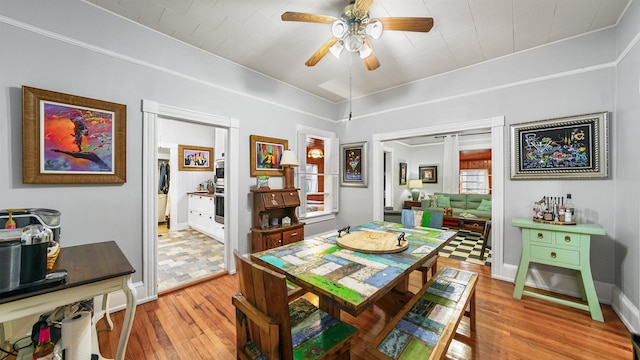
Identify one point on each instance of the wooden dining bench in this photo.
(427, 324)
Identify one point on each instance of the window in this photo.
(317, 173)
(474, 181)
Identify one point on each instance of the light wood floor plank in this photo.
(198, 322)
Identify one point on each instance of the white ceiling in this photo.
(466, 32)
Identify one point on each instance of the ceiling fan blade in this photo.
(304, 17)
(362, 5)
(318, 55)
(371, 61)
(419, 24)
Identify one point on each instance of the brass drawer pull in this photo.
(567, 238)
(553, 255)
(294, 234)
(540, 236)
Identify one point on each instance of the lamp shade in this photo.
(415, 184)
(289, 158)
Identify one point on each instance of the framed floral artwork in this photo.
(574, 147)
(353, 164)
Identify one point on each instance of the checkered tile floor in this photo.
(466, 247)
(185, 256)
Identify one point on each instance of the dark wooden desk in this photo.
(93, 270)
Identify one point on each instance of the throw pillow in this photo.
(433, 200)
(485, 205)
(444, 201)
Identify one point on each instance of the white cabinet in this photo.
(202, 215)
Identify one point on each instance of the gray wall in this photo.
(626, 201)
(101, 56)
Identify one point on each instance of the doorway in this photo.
(496, 124)
(154, 116)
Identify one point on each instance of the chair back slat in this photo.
(267, 291)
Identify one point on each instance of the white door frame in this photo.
(152, 113)
(496, 124)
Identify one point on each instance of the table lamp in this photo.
(415, 186)
(288, 161)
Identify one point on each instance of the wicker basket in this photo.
(52, 257)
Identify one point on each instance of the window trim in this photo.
(330, 173)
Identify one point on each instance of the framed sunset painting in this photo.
(68, 139)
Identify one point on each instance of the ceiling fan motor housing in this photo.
(352, 26)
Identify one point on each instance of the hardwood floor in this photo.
(199, 323)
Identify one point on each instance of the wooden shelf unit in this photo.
(275, 204)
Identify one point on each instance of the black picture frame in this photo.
(428, 174)
(574, 147)
(402, 173)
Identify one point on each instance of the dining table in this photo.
(350, 280)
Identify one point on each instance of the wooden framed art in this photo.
(353, 161)
(69, 139)
(195, 158)
(266, 153)
(403, 174)
(573, 147)
(428, 174)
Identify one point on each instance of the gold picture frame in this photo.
(265, 155)
(195, 158)
(69, 139)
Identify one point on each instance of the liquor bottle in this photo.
(569, 211)
(44, 348)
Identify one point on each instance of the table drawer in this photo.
(538, 236)
(551, 255)
(567, 239)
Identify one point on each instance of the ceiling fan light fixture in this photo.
(336, 49)
(339, 28)
(353, 42)
(374, 28)
(365, 51)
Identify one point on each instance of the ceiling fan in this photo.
(353, 28)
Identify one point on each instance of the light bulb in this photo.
(353, 43)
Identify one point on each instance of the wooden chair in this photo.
(431, 266)
(267, 326)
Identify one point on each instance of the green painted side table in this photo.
(566, 246)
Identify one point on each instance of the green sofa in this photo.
(460, 203)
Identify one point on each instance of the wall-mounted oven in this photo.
(219, 205)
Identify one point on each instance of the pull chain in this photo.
(350, 85)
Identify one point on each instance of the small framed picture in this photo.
(266, 153)
(403, 173)
(353, 161)
(263, 182)
(195, 158)
(428, 173)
